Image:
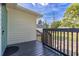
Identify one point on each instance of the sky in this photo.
(49, 11)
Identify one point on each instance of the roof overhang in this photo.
(16, 6)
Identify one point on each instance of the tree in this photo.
(71, 16)
(45, 24)
(55, 24)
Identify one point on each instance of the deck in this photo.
(32, 48)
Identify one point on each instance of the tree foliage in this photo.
(46, 25)
(71, 16)
(55, 24)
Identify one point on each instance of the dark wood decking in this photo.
(33, 48)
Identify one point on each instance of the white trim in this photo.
(18, 6)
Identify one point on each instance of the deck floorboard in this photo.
(32, 48)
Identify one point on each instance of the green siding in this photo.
(4, 27)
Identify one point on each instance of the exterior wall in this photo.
(0, 29)
(21, 26)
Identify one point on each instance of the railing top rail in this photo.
(63, 29)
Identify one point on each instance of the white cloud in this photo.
(34, 4)
(43, 4)
(62, 4)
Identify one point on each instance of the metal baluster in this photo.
(48, 34)
(57, 40)
(53, 38)
(67, 43)
(47, 37)
(77, 44)
(60, 41)
(64, 42)
(44, 36)
(50, 38)
(72, 45)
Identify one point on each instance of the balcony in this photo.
(64, 41)
(54, 42)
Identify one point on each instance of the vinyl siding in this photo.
(21, 26)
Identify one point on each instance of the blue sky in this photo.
(49, 10)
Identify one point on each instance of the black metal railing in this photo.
(63, 40)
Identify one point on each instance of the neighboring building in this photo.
(20, 24)
(39, 24)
